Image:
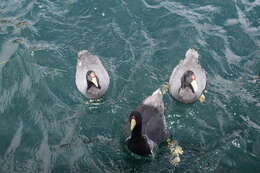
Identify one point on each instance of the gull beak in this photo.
(94, 80)
(132, 123)
(194, 85)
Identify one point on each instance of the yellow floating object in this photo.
(164, 88)
(175, 161)
(175, 151)
(178, 150)
(3, 62)
(202, 98)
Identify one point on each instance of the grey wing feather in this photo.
(153, 124)
(152, 111)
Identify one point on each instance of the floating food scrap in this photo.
(5, 21)
(18, 40)
(94, 102)
(39, 47)
(257, 77)
(176, 152)
(3, 62)
(22, 23)
(165, 88)
(202, 98)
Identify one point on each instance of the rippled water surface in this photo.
(46, 125)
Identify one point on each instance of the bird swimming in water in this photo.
(92, 79)
(146, 125)
(188, 79)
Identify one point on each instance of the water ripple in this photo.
(46, 125)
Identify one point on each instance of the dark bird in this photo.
(147, 127)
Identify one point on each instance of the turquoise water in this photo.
(46, 125)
